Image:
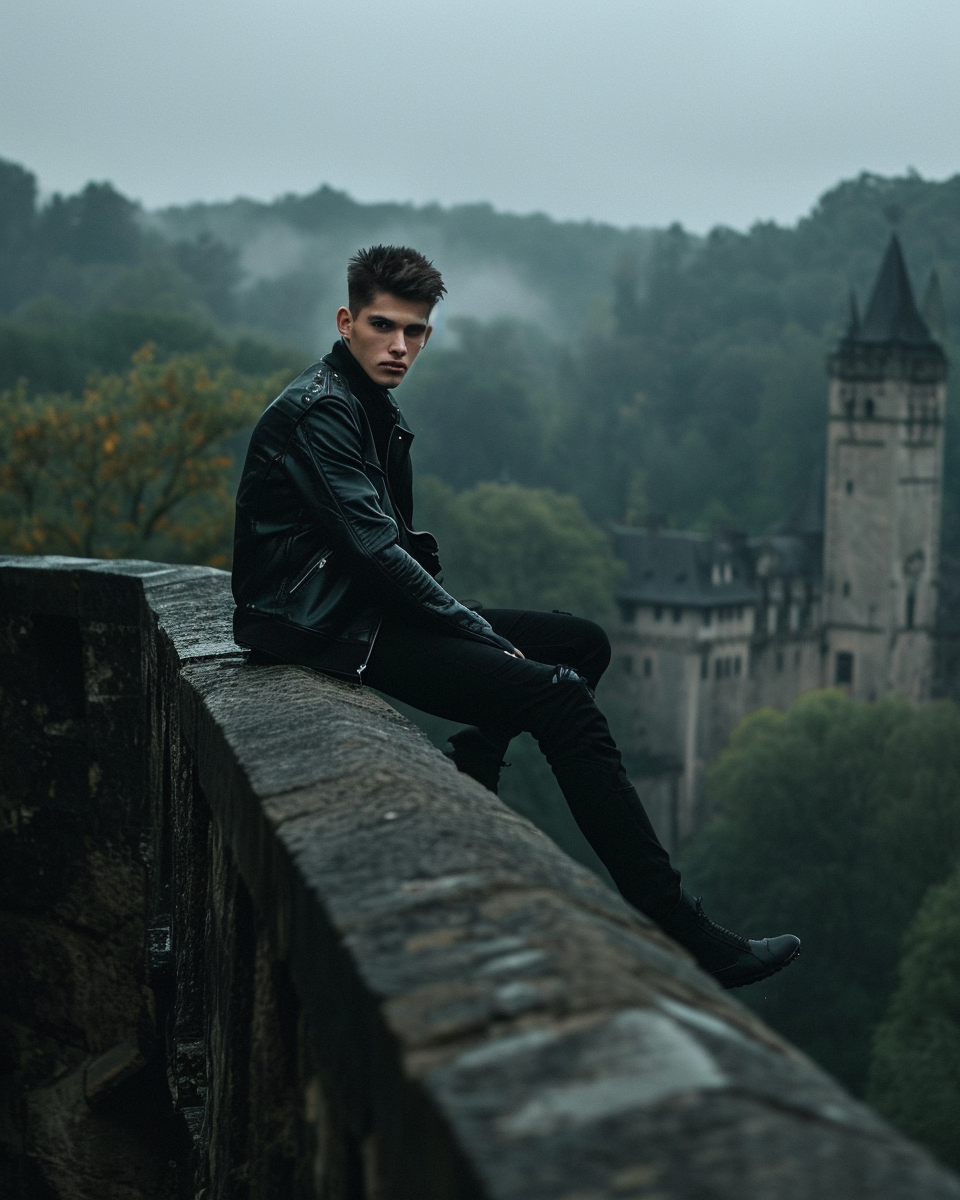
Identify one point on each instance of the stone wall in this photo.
(259, 939)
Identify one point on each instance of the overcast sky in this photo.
(638, 112)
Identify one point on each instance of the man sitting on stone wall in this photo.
(329, 572)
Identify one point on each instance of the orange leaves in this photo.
(139, 465)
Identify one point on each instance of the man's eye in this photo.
(381, 326)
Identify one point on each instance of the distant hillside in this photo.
(292, 254)
(279, 268)
(653, 373)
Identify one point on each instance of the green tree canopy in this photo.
(515, 547)
(915, 1070)
(832, 821)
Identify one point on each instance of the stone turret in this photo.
(883, 494)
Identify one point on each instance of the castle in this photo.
(843, 593)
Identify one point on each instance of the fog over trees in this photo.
(580, 374)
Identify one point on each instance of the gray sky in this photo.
(630, 111)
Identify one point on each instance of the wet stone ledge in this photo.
(260, 939)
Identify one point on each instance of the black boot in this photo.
(478, 755)
(732, 960)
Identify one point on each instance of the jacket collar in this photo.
(366, 391)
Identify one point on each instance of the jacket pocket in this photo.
(318, 562)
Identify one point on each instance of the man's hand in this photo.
(514, 653)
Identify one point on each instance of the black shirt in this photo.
(380, 407)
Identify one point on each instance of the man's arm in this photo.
(326, 463)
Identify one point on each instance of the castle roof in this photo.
(681, 569)
(696, 570)
(892, 314)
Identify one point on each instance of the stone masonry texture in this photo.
(259, 939)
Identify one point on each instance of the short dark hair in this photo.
(397, 270)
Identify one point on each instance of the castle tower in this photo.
(883, 495)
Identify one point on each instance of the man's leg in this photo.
(475, 683)
(544, 637)
(472, 682)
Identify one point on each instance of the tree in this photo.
(18, 202)
(832, 821)
(517, 547)
(483, 411)
(140, 465)
(215, 269)
(915, 1069)
(98, 225)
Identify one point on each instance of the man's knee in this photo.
(595, 649)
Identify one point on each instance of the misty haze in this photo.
(633, 424)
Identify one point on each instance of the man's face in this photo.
(386, 336)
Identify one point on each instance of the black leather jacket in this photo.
(323, 545)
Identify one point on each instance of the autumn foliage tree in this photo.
(138, 466)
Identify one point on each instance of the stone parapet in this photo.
(267, 942)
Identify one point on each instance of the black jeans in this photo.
(549, 694)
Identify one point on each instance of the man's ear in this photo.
(344, 323)
(426, 334)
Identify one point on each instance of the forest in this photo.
(580, 375)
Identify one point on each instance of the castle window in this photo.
(717, 668)
(778, 660)
(677, 616)
(704, 667)
(796, 658)
(628, 612)
(715, 575)
(658, 612)
(844, 667)
(849, 487)
(736, 665)
(846, 587)
(868, 408)
(647, 667)
(627, 663)
(911, 609)
(706, 616)
(727, 572)
(740, 612)
(851, 407)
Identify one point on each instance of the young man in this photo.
(330, 573)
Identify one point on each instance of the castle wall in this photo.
(783, 668)
(881, 547)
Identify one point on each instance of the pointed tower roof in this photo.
(892, 314)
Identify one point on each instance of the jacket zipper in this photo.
(363, 665)
(318, 566)
(394, 433)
